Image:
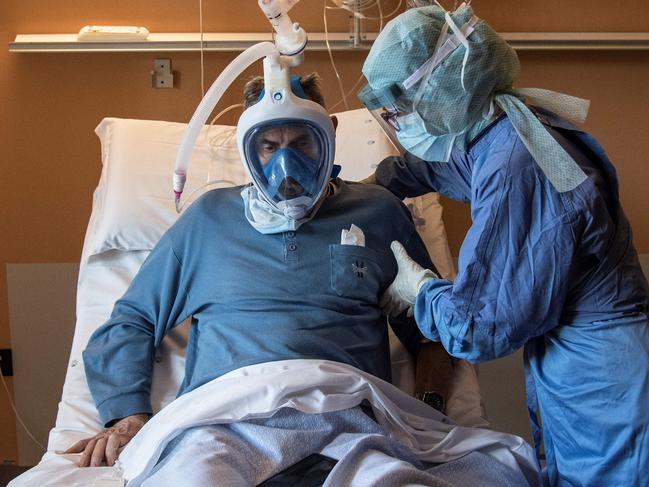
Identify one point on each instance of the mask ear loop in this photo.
(487, 113)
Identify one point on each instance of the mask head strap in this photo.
(296, 88)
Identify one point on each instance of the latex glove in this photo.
(105, 445)
(401, 294)
(371, 179)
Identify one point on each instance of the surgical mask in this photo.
(267, 219)
(415, 139)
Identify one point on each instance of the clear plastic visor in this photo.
(288, 159)
(387, 106)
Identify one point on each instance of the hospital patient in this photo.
(290, 267)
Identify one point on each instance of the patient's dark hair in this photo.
(310, 84)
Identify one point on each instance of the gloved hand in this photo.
(371, 179)
(403, 291)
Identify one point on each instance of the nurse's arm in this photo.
(408, 176)
(514, 271)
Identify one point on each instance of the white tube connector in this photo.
(291, 39)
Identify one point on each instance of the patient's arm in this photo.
(119, 356)
(105, 445)
(434, 370)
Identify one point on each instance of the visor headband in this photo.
(296, 88)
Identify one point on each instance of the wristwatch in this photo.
(433, 399)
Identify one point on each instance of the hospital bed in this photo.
(133, 206)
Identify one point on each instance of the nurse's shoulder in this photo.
(499, 158)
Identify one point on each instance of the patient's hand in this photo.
(105, 445)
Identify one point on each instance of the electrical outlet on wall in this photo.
(6, 365)
(161, 75)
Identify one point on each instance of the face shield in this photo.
(458, 70)
(452, 69)
(386, 106)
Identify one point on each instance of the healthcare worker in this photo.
(548, 262)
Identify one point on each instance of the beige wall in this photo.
(50, 104)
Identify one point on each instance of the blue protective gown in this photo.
(554, 272)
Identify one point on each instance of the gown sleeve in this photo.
(408, 176)
(514, 266)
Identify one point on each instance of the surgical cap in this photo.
(447, 105)
(453, 91)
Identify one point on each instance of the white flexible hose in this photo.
(207, 104)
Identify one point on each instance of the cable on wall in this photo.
(20, 420)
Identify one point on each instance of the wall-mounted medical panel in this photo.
(338, 41)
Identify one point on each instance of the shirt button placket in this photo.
(290, 247)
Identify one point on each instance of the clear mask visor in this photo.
(288, 162)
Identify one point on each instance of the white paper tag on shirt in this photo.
(353, 236)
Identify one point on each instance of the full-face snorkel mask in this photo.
(287, 144)
(286, 50)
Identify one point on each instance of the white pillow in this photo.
(360, 144)
(134, 204)
(134, 198)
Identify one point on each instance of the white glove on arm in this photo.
(403, 291)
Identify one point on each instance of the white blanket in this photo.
(316, 386)
(310, 386)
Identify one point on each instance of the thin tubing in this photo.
(331, 57)
(20, 420)
(214, 146)
(381, 17)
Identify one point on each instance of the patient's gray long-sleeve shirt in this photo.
(256, 298)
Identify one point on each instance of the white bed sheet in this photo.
(104, 277)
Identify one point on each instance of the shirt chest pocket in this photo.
(356, 272)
